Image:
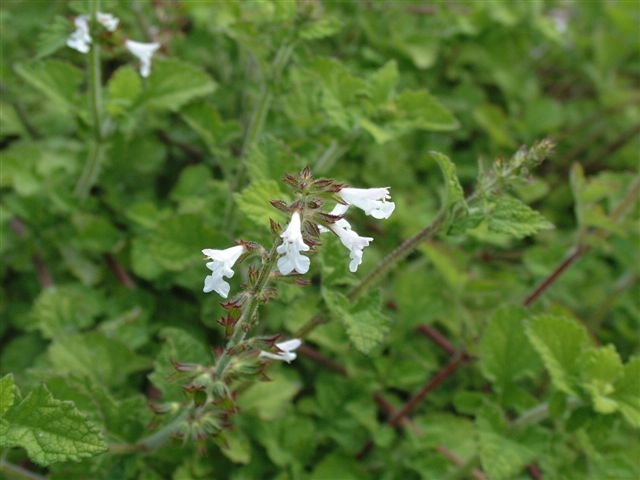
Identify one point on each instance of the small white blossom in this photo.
(144, 52)
(286, 353)
(290, 248)
(221, 266)
(372, 200)
(350, 239)
(108, 21)
(80, 39)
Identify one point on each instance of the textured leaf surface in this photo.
(50, 430)
(559, 341)
(506, 354)
(454, 192)
(601, 368)
(254, 201)
(627, 392)
(174, 83)
(511, 217)
(7, 393)
(57, 80)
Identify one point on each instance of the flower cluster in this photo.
(308, 221)
(81, 40)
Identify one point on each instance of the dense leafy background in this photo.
(99, 295)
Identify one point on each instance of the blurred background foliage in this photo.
(100, 293)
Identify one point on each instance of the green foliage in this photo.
(101, 299)
(49, 430)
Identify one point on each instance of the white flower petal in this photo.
(286, 354)
(221, 267)
(289, 345)
(144, 52)
(290, 248)
(354, 242)
(108, 21)
(80, 39)
(373, 201)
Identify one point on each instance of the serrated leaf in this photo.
(559, 341)
(454, 192)
(235, 445)
(179, 346)
(601, 368)
(271, 159)
(269, 400)
(65, 309)
(509, 216)
(501, 457)
(55, 79)
(383, 82)
(255, 201)
(505, 353)
(124, 88)
(177, 243)
(7, 393)
(174, 83)
(423, 111)
(93, 355)
(50, 430)
(627, 392)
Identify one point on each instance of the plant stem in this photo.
(153, 441)
(92, 167)
(248, 310)
(391, 260)
(18, 473)
(256, 123)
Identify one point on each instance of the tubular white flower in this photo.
(286, 353)
(221, 266)
(144, 52)
(80, 39)
(372, 200)
(107, 20)
(350, 239)
(290, 248)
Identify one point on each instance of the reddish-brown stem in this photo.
(437, 338)
(44, 275)
(318, 357)
(118, 270)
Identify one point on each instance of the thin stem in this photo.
(391, 260)
(16, 472)
(249, 309)
(256, 124)
(92, 167)
(153, 441)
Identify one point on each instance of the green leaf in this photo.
(177, 243)
(322, 28)
(454, 193)
(601, 368)
(65, 309)
(50, 430)
(505, 353)
(509, 216)
(255, 201)
(174, 83)
(7, 393)
(423, 111)
(560, 342)
(269, 400)
(235, 445)
(365, 324)
(383, 81)
(123, 89)
(53, 36)
(95, 356)
(205, 120)
(55, 79)
(627, 392)
(179, 346)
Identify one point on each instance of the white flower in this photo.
(220, 266)
(108, 21)
(350, 239)
(144, 52)
(290, 248)
(372, 200)
(80, 39)
(286, 353)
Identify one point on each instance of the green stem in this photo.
(391, 260)
(256, 124)
(92, 167)
(249, 309)
(153, 441)
(15, 472)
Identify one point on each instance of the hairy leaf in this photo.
(511, 217)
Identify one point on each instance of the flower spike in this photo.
(221, 265)
(290, 248)
(373, 201)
